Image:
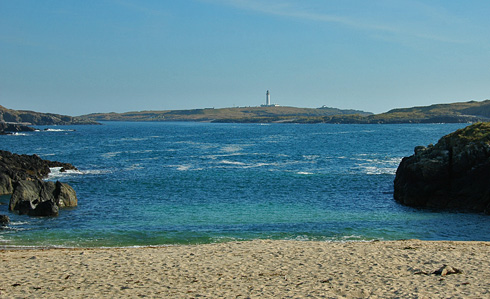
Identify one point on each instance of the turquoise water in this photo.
(188, 183)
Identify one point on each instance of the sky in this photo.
(77, 57)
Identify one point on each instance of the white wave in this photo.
(304, 173)
(110, 154)
(18, 222)
(183, 167)
(311, 157)
(379, 170)
(186, 167)
(231, 162)
(133, 167)
(58, 130)
(96, 171)
(376, 165)
(19, 134)
(231, 148)
(55, 172)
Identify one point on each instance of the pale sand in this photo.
(255, 269)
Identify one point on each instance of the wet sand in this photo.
(252, 269)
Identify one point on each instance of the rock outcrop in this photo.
(4, 220)
(8, 128)
(14, 168)
(453, 174)
(39, 198)
(21, 176)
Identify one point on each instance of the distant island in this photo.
(462, 112)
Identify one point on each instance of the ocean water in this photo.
(188, 183)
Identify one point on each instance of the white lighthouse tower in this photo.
(267, 98)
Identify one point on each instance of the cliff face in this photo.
(37, 118)
(453, 174)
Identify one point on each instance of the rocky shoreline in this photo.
(9, 128)
(453, 174)
(22, 176)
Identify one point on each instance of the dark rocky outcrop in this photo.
(21, 176)
(4, 220)
(15, 168)
(8, 128)
(453, 174)
(39, 198)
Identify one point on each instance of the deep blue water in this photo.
(186, 183)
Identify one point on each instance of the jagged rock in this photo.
(15, 168)
(453, 174)
(4, 220)
(5, 184)
(40, 198)
(21, 176)
(65, 195)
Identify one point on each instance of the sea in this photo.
(168, 183)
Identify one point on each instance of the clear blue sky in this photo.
(78, 57)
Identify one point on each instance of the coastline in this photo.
(251, 269)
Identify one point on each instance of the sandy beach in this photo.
(252, 269)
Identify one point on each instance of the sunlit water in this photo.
(188, 183)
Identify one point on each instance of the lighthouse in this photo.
(267, 98)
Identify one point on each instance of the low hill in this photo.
(38, 118)
(472, 111)
(239, 114)
(463, 112)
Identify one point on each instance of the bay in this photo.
(160, 183)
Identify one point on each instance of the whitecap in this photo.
(55, 172)
(183, 167)
(379, 170)
(231, 162)
(231, 148)
(304, 173)
(95, 171)
(58, 130)
(311, 157)
(133, 167)
(110, 154)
